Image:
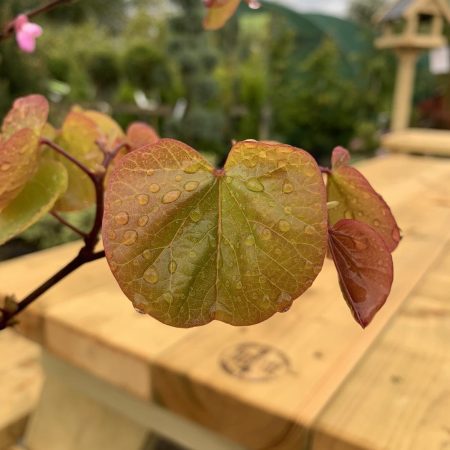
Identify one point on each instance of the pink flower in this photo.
(26, 33)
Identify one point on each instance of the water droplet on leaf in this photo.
(171, 197)
(249, 241)
(191, 186)
(173, 266)
(266, 234)
(288, 188)
(195, 215)
(154, 188)
(142, 221)
(130, 237)
(284, 226)
(122, 218)
(142, 199)
(151, 276)
(254, 185)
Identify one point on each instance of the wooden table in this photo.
(308, 379)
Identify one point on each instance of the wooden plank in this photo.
(399, 396)
(20, 384)
(67, 419)
(415, 140)
(264, 386)
(102, 333)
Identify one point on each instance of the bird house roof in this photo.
(403, 8)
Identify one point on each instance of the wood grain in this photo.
(399, 395)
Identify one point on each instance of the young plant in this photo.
(189, 243)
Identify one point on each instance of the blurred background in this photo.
(302, 72)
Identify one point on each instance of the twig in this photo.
(68, 224)
(87, 252)
(8, 29)
(325, 170)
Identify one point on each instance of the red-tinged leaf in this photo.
(189, 244)
(18, 163)
(364, 266)
(27, 112)
(140, 134)
(78, 137)
(219, 12)
(358, 200)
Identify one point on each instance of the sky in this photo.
(333, 7)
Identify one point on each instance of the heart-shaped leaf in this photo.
(27, 112)
(140, 134)
(35, 200)
(358, 200)
(364, 266)
(189, 244)
(18, 162)
(78, 137)
(219, 12)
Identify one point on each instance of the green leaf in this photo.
(27, 112)
(189, 244)
(358, 200)
(35, 200)
(219, 12)
(18, 162)
(78, 137)
(140, 134)
(364, 265)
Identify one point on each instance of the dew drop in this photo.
(5, 167)
(284, 226)
(309, 170)
(332, 205)
(254, 185)
(139, 309)
(142, 199)
(142, 221)
(151, 276)
(154, 188)
(192, 254)
(288, 210)
(130, 237)
(191, 186)
(288, 188)
(173, 266)
(309, 229)
(360, 214)
(348, 214)
(171, 197)
(147, 254)
(111, 235)
(178, 178)
(193, 168)
(266, 234)
(150, 172)
(284, 301)
(249, 241)
(238, 285)
(376, 222)
(195, 215)
(122, 218)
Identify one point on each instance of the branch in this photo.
(66, 155)
(68, 224)
(8, 29)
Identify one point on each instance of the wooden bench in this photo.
(308, 379)
(20, 384)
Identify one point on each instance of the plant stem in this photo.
(68, 224)
(8, 29)
(91, 239)
(325, 170)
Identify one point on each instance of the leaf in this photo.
(109, 131)
(78, 136)
(219, 12)
(358, 200)
(140, 134)
(35, 200)
(18, 162)
(189, 244)
(364, 266)
(27, 112)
